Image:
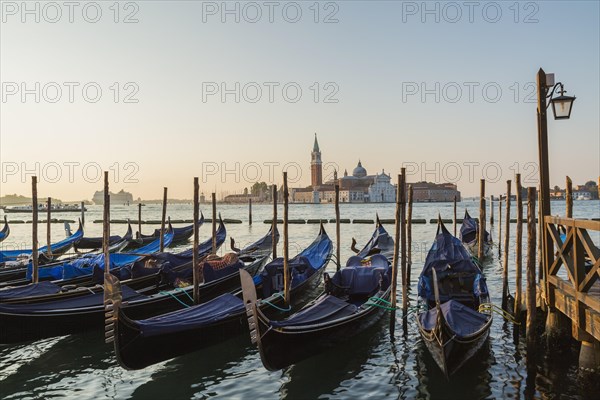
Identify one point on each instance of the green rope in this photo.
(186, 293)
(494, 308)
(278, 294)
(175, 297)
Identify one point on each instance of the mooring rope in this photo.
(175, 297)
(278, 294)
(494, 308)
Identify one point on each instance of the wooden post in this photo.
(106, 226)
(337, 226)
(492, 212)
(547, 247)
(140, 219)
(403, 248)
(273, 237)
(49, 228)
(500, 226)
(395, 259)
(506, 249)
(162, 221)
(34, 230)
(454, 215)
(82, 213)
(409, 235)
(531, 264)
(518, 246)
(249, 211)
(286, 254)
(214, 222)
(195, 266)
(569, 198)
(481, 232)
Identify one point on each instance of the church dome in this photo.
(359, 171)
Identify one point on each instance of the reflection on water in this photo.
(368, 365)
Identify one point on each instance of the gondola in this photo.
(354, 299)
(23, 322)
(58, 248)
(77, 266)
(469, 234)
(116, 242)
(139, 343)
(5, 232)
(141, 268)
(16, 275)
(451, 293)
(181, 234)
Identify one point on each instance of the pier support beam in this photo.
(589, 357)
(558, 329)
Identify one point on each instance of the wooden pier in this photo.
(570, 284)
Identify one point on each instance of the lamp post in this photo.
(561, 107)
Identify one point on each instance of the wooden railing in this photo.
(576, 296)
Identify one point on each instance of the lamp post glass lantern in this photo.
(562, 105)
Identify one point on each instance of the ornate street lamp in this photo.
(561, 105)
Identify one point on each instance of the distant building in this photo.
(360, 187)
(241, 198)
(121, 197)
(434, 192)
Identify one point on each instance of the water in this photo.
(368, 365)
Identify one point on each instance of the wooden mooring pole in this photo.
(34, 230)
(409, 234)
(106, 226)
(49, 228)
(214, 222)
(499, 226)
(569, 198)
(492, 212)
(403, 250)
(518, 246)
(455, 222)
(162, 221)
(481, 232)
(506, 246)
(195, 266)
(394, 283)
(338, 240)
(286, 254)
(249, 211)
(531, 282)
(140, 219)
(274, 228)
(82, 213)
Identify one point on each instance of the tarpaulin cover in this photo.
(362, 280)
(84, 301)
(469, 229)
(302, 266)
(462, 320)
(381, 242)
(85, 265)
(210, 274)
(327, 309)
(194, 317)
(33, 289)
(8, 255)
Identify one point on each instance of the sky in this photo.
(159, 92)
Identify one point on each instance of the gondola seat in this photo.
(358, 283)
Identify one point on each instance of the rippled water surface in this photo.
(368, 365)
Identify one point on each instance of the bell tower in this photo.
(316, 165)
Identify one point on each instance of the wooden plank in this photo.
(573, 222)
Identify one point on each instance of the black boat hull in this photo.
(281, 348)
